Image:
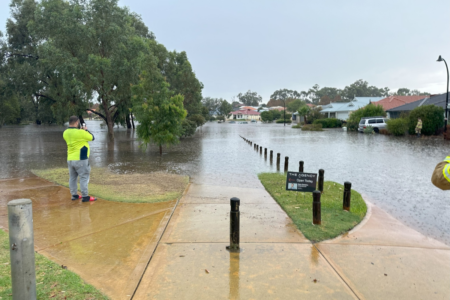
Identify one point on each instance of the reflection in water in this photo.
(234, 276)
(314, 257)
(393, 171)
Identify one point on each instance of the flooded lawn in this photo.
(394, 173)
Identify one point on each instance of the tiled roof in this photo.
(353, 105)
(396, 101)
(438, 100)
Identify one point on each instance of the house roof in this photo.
(353, 105)
(245, 112)
(395, 101)
(310, 105)
(280, 108)
(248, 107)
(438, 100)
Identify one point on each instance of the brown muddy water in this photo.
(392, 172)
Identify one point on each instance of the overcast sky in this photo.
(263, 46)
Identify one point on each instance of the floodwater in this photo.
(392, 172)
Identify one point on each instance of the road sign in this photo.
(301, 182)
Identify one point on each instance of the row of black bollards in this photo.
(316, 194)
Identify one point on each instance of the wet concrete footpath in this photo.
(380, 259)
(108, 244)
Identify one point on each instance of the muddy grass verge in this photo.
(132, 188)
(52, 281)
(298, 206)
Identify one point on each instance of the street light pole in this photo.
(446, 96)
(284, 114)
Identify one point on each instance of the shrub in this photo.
(211, 119)
(368, 129)
(432, 119)
(266, 116)
(369, 110)
(188, 128)
(398, 126)
(220, 118)
(297, 126)
(312, 127)
(284, 121)
(197, 119)
(384, 131)
(329, 123)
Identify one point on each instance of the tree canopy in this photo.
(249, 98)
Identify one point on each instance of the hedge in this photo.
(284, 121)
(432, 117)
(329, 123)
(398, 126)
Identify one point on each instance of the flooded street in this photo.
(393, 173)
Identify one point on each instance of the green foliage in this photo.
(398, 126)
(250, 98)
(160, 114)
(220, 118)
(212, 119)
(276, 114)
(369, 110)
(9, 105)
(303, 112)
(224, 108)
(335, 220)
(297, 126)
(369, 130)
(432, 117)
(312, 127)
(188, 128)
(267, 116)
(295, 105)
(329, 123)
(198, 119)
(281, 121)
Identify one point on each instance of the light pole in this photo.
(284, 113)
(446, 96)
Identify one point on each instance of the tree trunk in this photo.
(127, 119)
(109, 121)
(132, 121)
(160, 149)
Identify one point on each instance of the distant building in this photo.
(342, 110)
(245, 114)
(396, 101)
(438, 100)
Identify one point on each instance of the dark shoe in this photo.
(89, 199)
(76, 197)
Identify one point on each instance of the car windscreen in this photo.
(362, 121)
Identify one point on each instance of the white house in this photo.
(342, 110)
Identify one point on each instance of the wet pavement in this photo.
(393, 172)
(380, 259)
(107, 243)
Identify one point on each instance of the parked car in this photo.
(254, 121)
(377, 123)
(231, 122)
(243, 122)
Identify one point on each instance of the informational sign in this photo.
(301, 182)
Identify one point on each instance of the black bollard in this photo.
(347, 195)
(300, 166)
(286, 163)
(321, 176)
(317, 215)
(278, 159)
(265, 152)
(251, 143)
(234, 224)
(260, 150)
(271, 156)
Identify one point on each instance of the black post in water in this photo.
(300, 166)
(271, 156)
(321, 176)
(251, 143)
(278, 159)
(260, 150)
(347, 195)
(286, 163)
(265, 151)
(317, 214)
(234, 224)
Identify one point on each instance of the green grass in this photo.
(52, 281)
(132, 188)
(335, 221)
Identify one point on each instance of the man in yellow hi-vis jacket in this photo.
(78, 158)
(419, 127)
